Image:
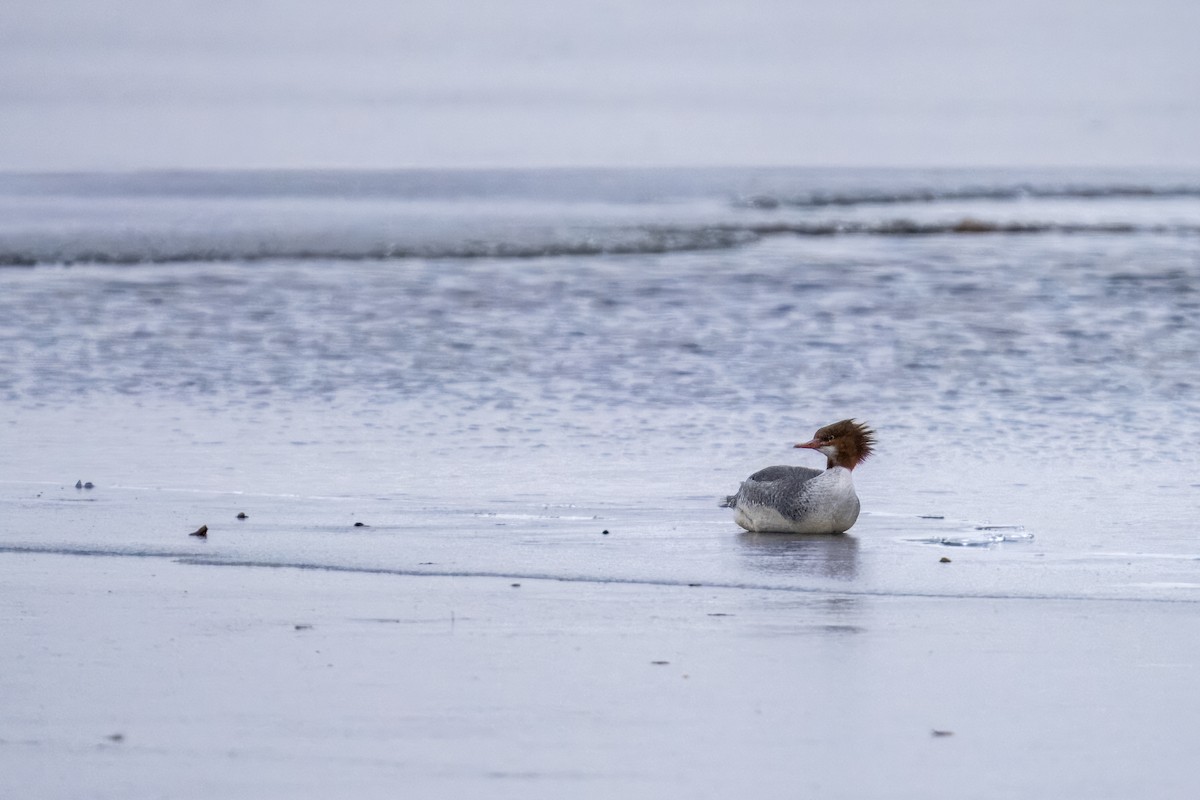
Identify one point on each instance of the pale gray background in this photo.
(372, 83)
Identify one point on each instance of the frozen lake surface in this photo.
(490, 371)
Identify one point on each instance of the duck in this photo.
(785, 499)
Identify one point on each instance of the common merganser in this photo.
(803, 500)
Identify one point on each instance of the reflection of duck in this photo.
(803, 500)
(819, 556)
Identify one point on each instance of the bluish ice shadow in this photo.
(825, 556)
